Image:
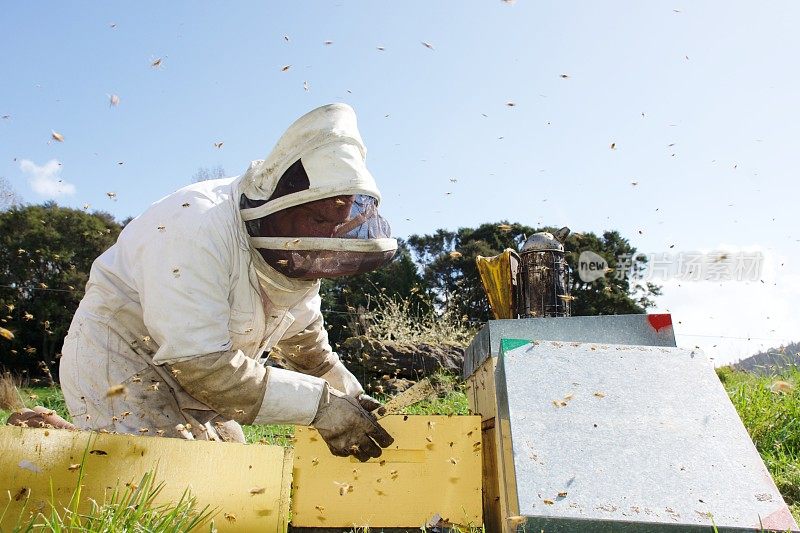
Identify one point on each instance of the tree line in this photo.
(47, 252)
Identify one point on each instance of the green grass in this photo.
(453, 402)
(278, 434)
(773, 422)
(132, 509)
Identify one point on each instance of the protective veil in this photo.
(197, 288)
(320, 157)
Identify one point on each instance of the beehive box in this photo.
(433, 467)
(602, 437)
(480, 362)
(248, 485)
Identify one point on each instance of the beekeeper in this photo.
(177, 313)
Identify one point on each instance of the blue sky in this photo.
(716, 80)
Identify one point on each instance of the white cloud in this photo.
(731, 320)
(45, 180)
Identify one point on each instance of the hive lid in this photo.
(645, 330)
(598, 437)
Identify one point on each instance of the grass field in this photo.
(769, 406)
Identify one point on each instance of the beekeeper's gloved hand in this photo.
(347, 428)
(344, 381)
(38, 417)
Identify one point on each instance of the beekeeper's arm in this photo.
(306, 348)
(184, 295)
(242, 389)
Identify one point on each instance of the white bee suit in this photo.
(182, 307)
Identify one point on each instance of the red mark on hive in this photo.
(660, 322)
(780, 520)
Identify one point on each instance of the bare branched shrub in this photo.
(9, 395)
(401, 321)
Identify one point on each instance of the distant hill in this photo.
(771, 361)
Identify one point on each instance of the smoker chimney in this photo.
(543, 288)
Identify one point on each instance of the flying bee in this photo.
(344, 488)
(116, 390)
(514, 521)
(781, 387)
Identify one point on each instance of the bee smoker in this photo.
(533, 282)
(543, 276)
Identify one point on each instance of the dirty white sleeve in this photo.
(290, 398)
(343, 380)
(306, 348)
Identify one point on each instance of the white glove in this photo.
(343, 380)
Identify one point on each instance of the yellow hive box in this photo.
(480, 389)
(433, 467)
(248, 485)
